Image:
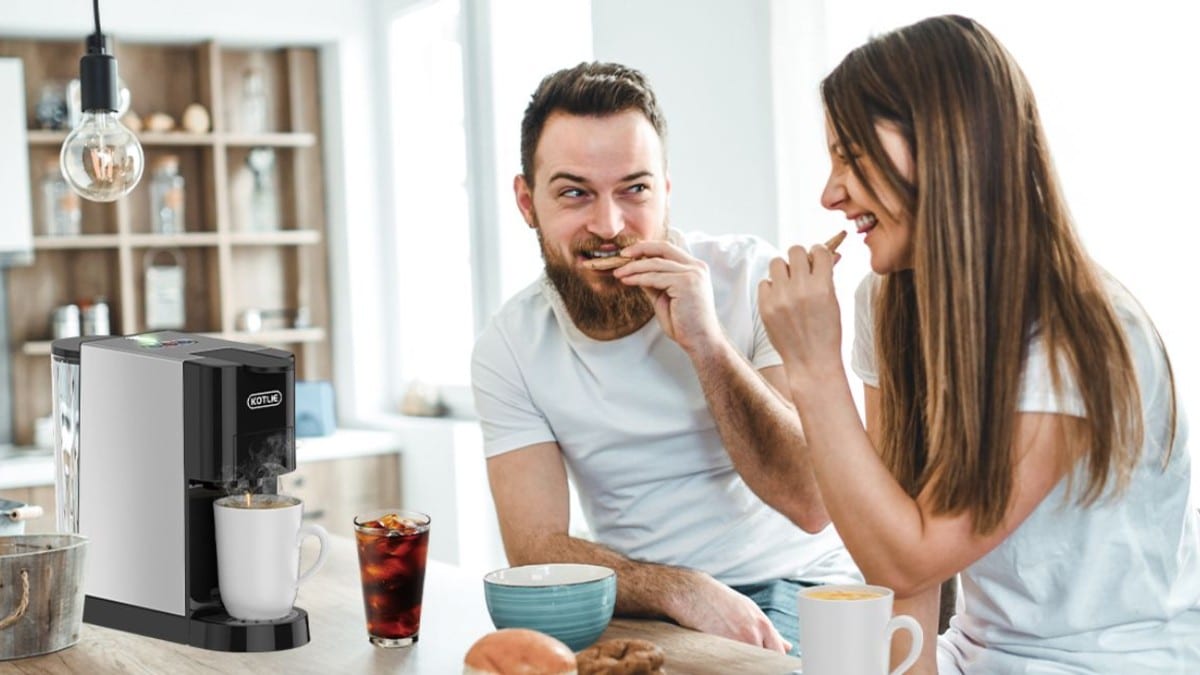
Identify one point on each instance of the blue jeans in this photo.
(777, 599)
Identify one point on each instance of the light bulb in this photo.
(101, 159)
(75, 101)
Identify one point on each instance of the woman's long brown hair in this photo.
(995, 260)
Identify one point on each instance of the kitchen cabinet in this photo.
(242, 281)
(40, 495)
(334, 484)
(334, 491)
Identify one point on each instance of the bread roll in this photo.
(518, 651)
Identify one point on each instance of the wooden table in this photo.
(454, 616)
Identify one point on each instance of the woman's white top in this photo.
(1110, 588)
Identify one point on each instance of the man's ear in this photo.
(524, 195)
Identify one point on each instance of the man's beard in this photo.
(615, 309)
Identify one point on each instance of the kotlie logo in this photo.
(264, 399)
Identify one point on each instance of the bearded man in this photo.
(630, 367)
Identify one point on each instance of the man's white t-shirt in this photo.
(635, 431)
(1110, 588)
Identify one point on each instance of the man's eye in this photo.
(638, 188)
(571, 192)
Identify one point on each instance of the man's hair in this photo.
(594, 89)
(995, 260)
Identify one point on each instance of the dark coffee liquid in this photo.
(258, 502)
(393, 576)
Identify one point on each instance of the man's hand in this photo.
(709, 606)
(530, 489)
(679, 287)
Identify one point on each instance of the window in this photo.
(431, 247)
(460, 73)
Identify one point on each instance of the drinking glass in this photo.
(392, 547)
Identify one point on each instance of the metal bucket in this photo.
(41, 593)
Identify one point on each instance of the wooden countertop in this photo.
(453, 617)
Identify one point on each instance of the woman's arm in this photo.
(896, 540)
(924, 608)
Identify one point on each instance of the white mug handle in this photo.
(909, 624)
(319, 532)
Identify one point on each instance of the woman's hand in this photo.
(800, 311)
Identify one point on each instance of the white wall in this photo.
(228, 20)
(710, 63)
(1115, 84)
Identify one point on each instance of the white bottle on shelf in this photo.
(167, 197)
(165, 284)
(254, 114)
(264, 207)
(61, 215)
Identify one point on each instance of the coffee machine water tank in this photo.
(167, 423)
(64, 390)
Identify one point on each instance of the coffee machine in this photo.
(163, 424)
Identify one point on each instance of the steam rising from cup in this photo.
(263, 462)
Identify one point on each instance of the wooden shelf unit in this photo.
(229, 267)
(151, 139)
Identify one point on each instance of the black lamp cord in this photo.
(98, 70)
(96, 41)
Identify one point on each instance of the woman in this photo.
(1021, 420)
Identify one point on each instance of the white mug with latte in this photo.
(847, 630)
(258, 554)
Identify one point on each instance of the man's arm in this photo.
(757, 422)
(762, 434)
(529, 486)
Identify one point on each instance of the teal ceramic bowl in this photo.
(571, 602)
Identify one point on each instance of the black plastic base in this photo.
(224, 633)
(209, 629)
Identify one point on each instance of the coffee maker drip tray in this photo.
(215, 629)
(210, 628)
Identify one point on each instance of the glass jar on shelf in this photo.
(95, 317)
(61, 215)
(264, 206)
(51, 109)
(254, 114)
(167, 197)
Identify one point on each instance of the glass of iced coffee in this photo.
(392, 545)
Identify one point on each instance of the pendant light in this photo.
(101, 159)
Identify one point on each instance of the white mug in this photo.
(849, 630)
(258, 554)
